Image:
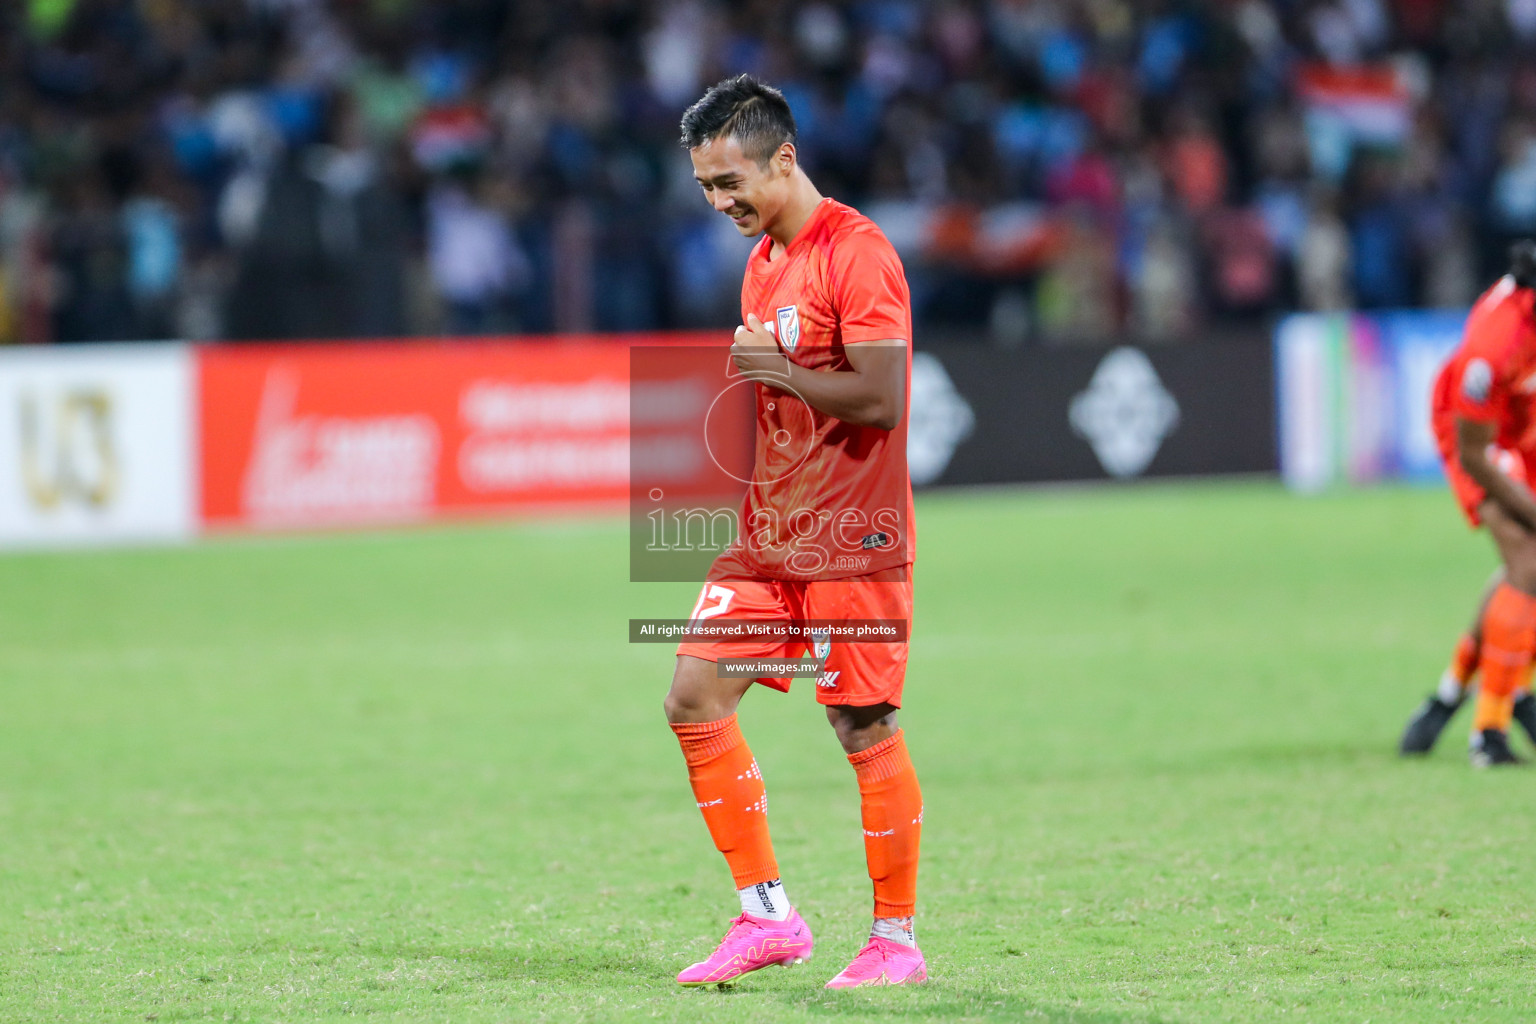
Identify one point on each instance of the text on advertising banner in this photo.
(332, 435)
(96, 444)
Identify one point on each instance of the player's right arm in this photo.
(1473, 439)
(870, 394)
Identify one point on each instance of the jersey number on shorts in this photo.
(714, 592)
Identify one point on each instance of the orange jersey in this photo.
(1491, 377)
(828, 499)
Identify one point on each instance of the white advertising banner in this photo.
(96, 444)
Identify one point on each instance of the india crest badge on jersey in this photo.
(822, 639)
(789, 326)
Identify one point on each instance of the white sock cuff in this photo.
(765, 899)
(1449, 691)
(895, 929)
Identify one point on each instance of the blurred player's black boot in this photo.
(1525, 713)
(1490, 748)
(1426, 725)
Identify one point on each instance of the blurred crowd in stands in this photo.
(1050, 170)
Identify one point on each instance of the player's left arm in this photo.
(871, 394)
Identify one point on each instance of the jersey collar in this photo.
(821, 210)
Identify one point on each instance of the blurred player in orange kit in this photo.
(826, 530)
(1484, 418)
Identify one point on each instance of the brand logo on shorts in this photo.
(822, 641)
(788, 318)
(828, 679)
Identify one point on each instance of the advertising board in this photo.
(96, 444)
(1353, 395)
(995, 416)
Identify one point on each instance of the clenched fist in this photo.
(755, 353)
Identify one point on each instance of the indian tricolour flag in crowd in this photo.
(1346, 107)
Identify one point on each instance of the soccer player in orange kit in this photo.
(1457, 681)
(826, 530)
(1484, 419)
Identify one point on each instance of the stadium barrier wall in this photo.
(985, 415)
(96, 444)
(347, 435)
(166, 441)
(1353, 395)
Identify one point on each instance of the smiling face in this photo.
(751, 194)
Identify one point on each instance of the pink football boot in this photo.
(883, 962)
(751, 944)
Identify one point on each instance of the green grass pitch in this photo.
(420, 776)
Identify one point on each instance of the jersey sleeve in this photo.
(869, 289)
(1478, 393)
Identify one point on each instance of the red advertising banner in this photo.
(332, 435)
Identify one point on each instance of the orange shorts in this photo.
(853, 673)
(1468, 492)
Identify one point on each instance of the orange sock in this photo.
(728, 788)
(1509, 642)
(1464, 661)
(892, 806)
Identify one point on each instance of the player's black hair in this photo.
(756, 114)
(1522, 263)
